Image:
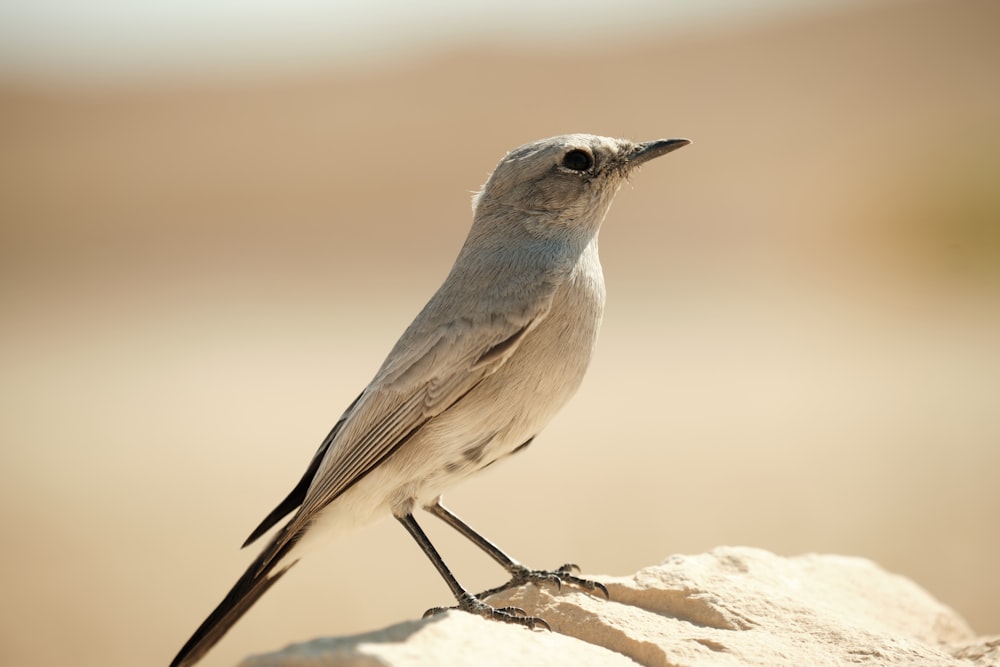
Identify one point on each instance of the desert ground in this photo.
(800, 352)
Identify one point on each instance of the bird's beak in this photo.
(647, 151)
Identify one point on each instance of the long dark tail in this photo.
(259, 577)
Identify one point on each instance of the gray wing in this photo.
(425, 375)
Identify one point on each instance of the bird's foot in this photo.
(474, 605)
(562, 575)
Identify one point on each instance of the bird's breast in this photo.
(517, 401)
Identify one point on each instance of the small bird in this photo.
(491, 358)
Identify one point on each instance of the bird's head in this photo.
(564, 183)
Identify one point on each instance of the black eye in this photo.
(578, 160)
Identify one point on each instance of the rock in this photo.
(732, 606)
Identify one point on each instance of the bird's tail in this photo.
(259, 577)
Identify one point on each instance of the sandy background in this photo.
(801, 350)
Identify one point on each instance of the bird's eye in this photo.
(578, 160)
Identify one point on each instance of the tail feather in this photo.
(259, 577)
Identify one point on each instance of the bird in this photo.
(494, 354)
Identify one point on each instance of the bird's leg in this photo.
(466, 600)
(519, 573)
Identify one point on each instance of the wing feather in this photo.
(442, 356)
(407, 393)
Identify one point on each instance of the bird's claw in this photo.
(564, 574)
(474, 605)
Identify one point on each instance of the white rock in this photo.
(732, 606)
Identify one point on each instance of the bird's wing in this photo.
(438, 359)
(424, 376)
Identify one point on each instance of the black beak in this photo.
(647, 151)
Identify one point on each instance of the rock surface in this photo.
(732, 606)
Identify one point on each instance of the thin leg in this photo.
(519, 573)
(453, 520)
(466, 601)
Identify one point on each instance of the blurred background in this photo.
(217, 217)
